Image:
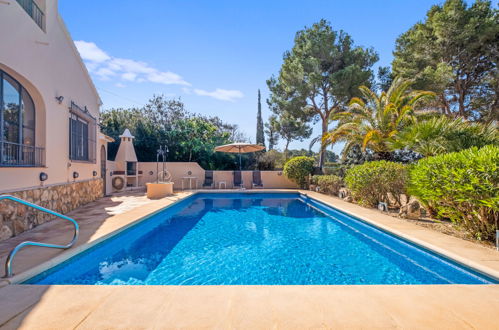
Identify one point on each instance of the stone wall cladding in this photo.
(16, 218)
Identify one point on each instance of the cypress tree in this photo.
(260, 137)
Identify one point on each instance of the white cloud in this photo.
(104, 73)
(129, 76)
(105, 66)
(166, 78)
(221, 94)
(90, 52)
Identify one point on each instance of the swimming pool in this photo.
(256, 239)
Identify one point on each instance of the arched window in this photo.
(17, 125)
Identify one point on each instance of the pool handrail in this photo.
(10, 258)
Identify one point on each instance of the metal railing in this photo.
(15, 154)
(34, 11)
(10, 258)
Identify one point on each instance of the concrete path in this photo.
(250, 307)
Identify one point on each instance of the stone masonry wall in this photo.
(16, 218)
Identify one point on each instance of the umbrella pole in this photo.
(240, 168)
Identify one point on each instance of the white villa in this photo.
(51, 150)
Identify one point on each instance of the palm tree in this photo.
(443, 134)
(373, 120)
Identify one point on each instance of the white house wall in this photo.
(47, 64)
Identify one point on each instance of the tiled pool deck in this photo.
(394, 306)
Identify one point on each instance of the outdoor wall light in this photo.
(94, 173)
(189, 173)
(151, 172)
(75, 175)
(59, 99)
(43, 176)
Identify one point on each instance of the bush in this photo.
(329, 184)
(378, 181)
(270, 160)
(461, 186)
(336, 169)
(298, 168)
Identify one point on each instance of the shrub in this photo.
(329, 184)
(461, 186)
(270, 160)
(378, 181)
(336, 169)
(298, 168)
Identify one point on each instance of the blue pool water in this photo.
(222, 239)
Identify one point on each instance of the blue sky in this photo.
(215, 55)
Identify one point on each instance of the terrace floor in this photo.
(394, 306)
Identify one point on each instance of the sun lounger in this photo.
(208, 179)
(238, 179)
(257, 179)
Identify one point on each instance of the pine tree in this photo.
(260, 137)
(272, 131)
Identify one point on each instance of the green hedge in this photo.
(336, 169)
(329, 184)
(298, 169)
(378, 181)
(461, 186)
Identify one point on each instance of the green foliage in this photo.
(329, 184)
(454, 53)
(373, 120)
(336, 169)
(275, 159)
(292, 128)
(320, 75)
(260, 136)
(442, 135)
(378, 181)
(166, 122)
(298, 169)
(384, 78)
(462, 187)
(272, 131)
(271, 160)
(354, 155)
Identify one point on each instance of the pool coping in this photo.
(325, 199)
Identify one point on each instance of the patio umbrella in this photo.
(239, 148)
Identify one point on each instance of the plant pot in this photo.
(159, 190)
